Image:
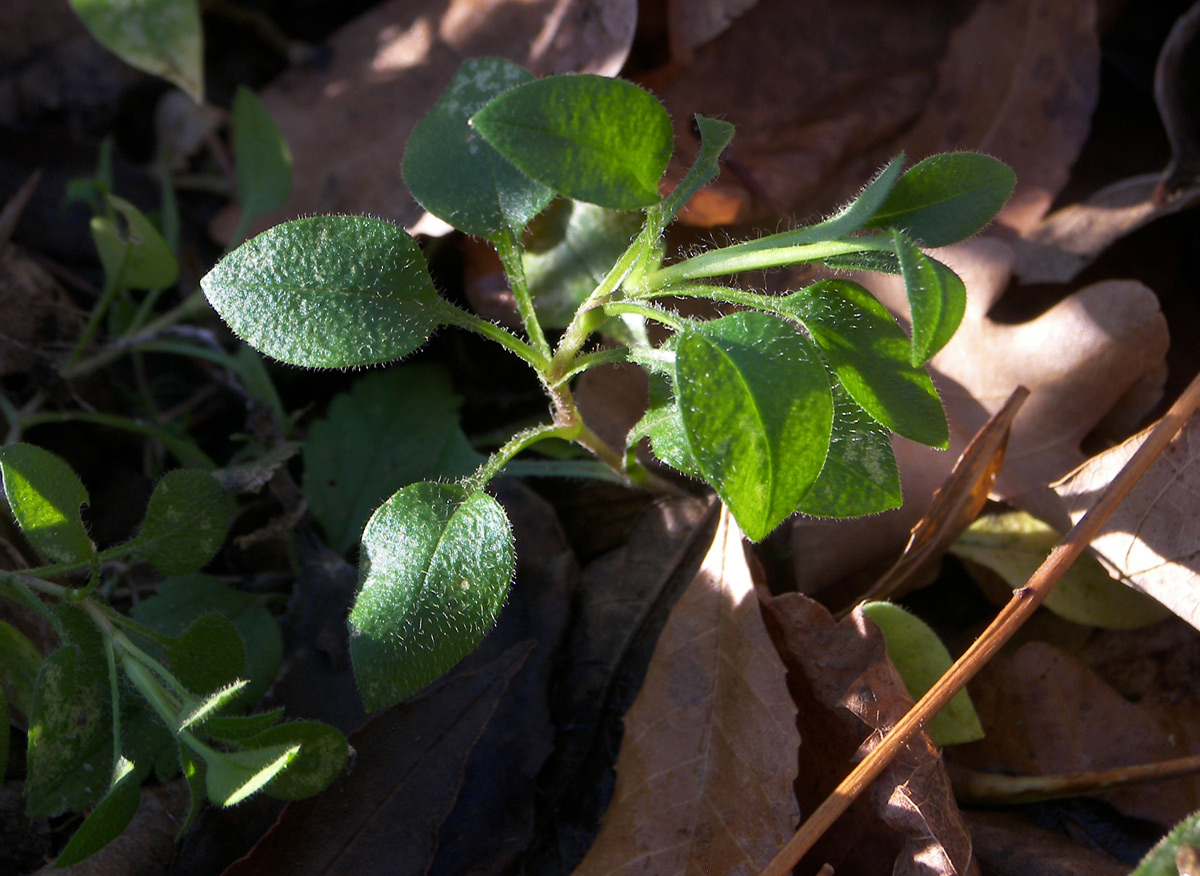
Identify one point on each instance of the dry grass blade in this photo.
(1012, 616)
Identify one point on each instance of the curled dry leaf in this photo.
(1152, 540)
(704, 775)
(1100, 348)
(347, 124)
(849, 694)
(1019, 81)
(1069, 239)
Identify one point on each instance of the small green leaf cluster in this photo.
(786, 404)
(160, 691)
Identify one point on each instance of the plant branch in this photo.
(1023, 603)
(753, 256)
(976, 788)
(456, 316)
(509, 250)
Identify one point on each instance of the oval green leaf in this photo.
(187, 519)
(261, 158)
(137, 256)
(208, 656)
(605, 141)
(871, 356)
(454, 173)
(936, 297)
(755, 404)
(921, 659)
(437, 562)
(1014, 544)
(947, 198)
(327, 292)
(355, 458)
(860, 474)
(161, 37)
(45, 497)
(111, 816)
(323, 753)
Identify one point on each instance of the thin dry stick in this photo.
(1007, 622)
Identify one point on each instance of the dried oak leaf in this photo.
(1045, 712)
(849, 694)
(347, 124)
(1019, 81)
(1100, 348)
(1152, 540)
(704, 774)
(1067, 241)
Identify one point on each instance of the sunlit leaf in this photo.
(936, 296)
(457, 175)
(327, 292)
(595, 139)
(45, 497)
(921, 659)
(755, 405)
(437, 562)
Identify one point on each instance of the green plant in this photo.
(160, 691)
(785, 405)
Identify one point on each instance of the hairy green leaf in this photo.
(181, 602)
(161, 37)
(323, 753)
(457, 175)
(936, 296)
(436, 566)
(921, 659)
(755, 404)
(230, 777)
(208, 656)
(715, 135)
(45, 497)
(1175, 853)
(239, 728)
(871, 356)
(947, 198)
(605, 141)
(860, 474)
(111, 816)
(327, 292)
(187, 519)
(572, 247)
(261, 158)
(1014, 544)
(391, 429)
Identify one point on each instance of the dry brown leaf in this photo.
(1019, 81)
(1045, 712)
(818, 98)
(1152, 540)
(849, 695)
(1008, 845)
(704, 774)
(692, 23)
(1100, 347)
(38, 314)
(347, 125)
(1068, 240)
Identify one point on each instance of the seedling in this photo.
(165, 690)
(785, 405)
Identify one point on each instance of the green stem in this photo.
(153, 691)
(114, 692)
(456, 316)
(185, 450)
(611, 356)
(753, 256)
(194, 305)
(509, 250)
(676, 323)
(523, 439)
(727, 294)
(93, 324)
